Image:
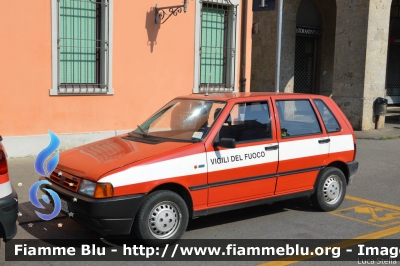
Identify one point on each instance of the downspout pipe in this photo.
(278, 48)
(243, 42)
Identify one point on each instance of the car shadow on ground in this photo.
(63, 227)
(299, 204)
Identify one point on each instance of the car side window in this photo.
(330, 121)
(297, 118)
(247, 122)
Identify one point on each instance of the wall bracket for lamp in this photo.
(162, 15)
(264, 5)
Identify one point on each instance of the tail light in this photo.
(3, 163)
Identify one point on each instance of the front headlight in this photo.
(87, 187)
(96, 190)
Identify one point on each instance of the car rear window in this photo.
(330, 121)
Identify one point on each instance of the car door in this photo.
(246, 172)
(342, 147)
(303, 144)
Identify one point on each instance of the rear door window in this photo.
(330, 121)
(297, 118)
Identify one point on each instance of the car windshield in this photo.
(182, 120)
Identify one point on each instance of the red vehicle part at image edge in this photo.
(203, 154)
(8, 200)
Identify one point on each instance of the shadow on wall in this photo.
(152, 28)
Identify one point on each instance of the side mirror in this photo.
(227, 143)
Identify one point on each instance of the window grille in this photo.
(218, 46)
(305, 64)
(82, 46)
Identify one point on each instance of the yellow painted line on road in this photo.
(380, 204)
(342, 245)
(350, 242)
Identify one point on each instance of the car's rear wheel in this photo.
(162, 218)
(330, 189)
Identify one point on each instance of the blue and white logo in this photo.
(45, 154)
(45, 164)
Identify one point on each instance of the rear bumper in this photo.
(110, 216)
(9, 215)
(353, 167)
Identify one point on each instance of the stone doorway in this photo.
(308, 31)
(393, 59)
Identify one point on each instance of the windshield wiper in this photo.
(144, 133)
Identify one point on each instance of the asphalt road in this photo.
(371, 207)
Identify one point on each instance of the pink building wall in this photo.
(144, 77)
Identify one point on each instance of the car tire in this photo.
(162, 218)
(330, 189)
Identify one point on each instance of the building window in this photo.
(81, 47)
(217, 46)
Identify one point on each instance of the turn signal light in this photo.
(105, 190)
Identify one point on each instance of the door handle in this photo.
(321, 141)
(272, 148)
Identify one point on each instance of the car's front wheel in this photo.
(162, 218)
(330, 189)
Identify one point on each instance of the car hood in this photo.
(92, 161)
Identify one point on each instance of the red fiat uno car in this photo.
(202, 154)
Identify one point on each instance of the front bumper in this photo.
(109, 216)
(9, 215)
(353, 167)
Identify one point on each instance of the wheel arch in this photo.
(2, 232)
(181, 191)
(342, 167)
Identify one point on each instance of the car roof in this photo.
(235, 95)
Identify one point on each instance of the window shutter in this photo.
(212, 45)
